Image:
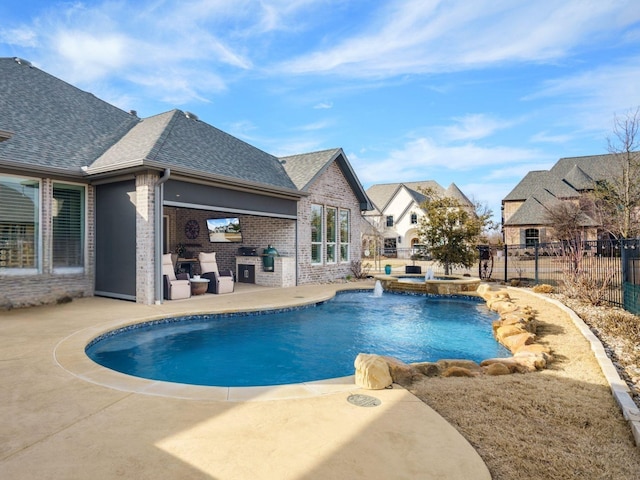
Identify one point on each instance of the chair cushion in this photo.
(208, 262)
(167, 266)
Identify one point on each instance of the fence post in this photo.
(505, 263)
(535, 268)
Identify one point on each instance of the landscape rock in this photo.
(470, 365)
(497, 369)
(514, 342)
(401, 373)
(509, 330)
(457, 372)
(428, 369)
(372, 372)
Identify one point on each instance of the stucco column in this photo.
(145, 237)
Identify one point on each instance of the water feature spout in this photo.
(429, 274)
(377, 290)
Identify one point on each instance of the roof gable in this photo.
(598, 167)
(383, 194)
(178, 140)
(578, 179)
(305, 168)
(536, 181)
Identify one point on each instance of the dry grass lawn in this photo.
(561, 423)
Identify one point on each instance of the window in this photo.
(332, 233)
(390, 247)
(389, 220)
(19, 222)
(414, 218)
(531, 237)
(68, 226)
(344, 235)
(316, 234)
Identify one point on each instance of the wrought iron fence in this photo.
(610, 265)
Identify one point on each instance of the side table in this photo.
(199, 286)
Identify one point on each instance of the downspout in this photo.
(159, 196)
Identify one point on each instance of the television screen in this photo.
(224, 230)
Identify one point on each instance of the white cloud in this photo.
(90, 56)
(590, 97)
(474, 127)
(312, 127)
(546, 137)
(323, 105)
(422, 158)
(19, 36)
(421, 36)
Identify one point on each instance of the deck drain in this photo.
(364, 400)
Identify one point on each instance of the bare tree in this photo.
(618, 198)
(570, 221)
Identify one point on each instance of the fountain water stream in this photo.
(377, 290)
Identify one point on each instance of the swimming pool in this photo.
(302, 344)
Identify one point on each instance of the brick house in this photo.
(91, 196)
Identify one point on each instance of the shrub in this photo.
(359, 269)
(582, 286)
(543, 288)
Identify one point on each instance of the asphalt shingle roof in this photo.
(598, 167)
(538, 180)
(173, 139)
(565, 180)
(381, 194)
(578, 179)
(55, 125)
(303, 168)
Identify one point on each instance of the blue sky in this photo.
(472, 92)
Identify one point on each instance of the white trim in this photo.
(18, 272)
(67, 270)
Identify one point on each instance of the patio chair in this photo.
(175, 287)
(219, 282)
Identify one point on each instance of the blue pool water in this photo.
(301, 345)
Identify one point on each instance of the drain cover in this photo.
(364, 400)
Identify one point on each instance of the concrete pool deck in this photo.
(64, 417)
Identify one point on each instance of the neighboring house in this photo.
(397, 212)
(91, 196)
(525, 208)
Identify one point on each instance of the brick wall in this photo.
(330, 190)
(257, 232)
(145, 237)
